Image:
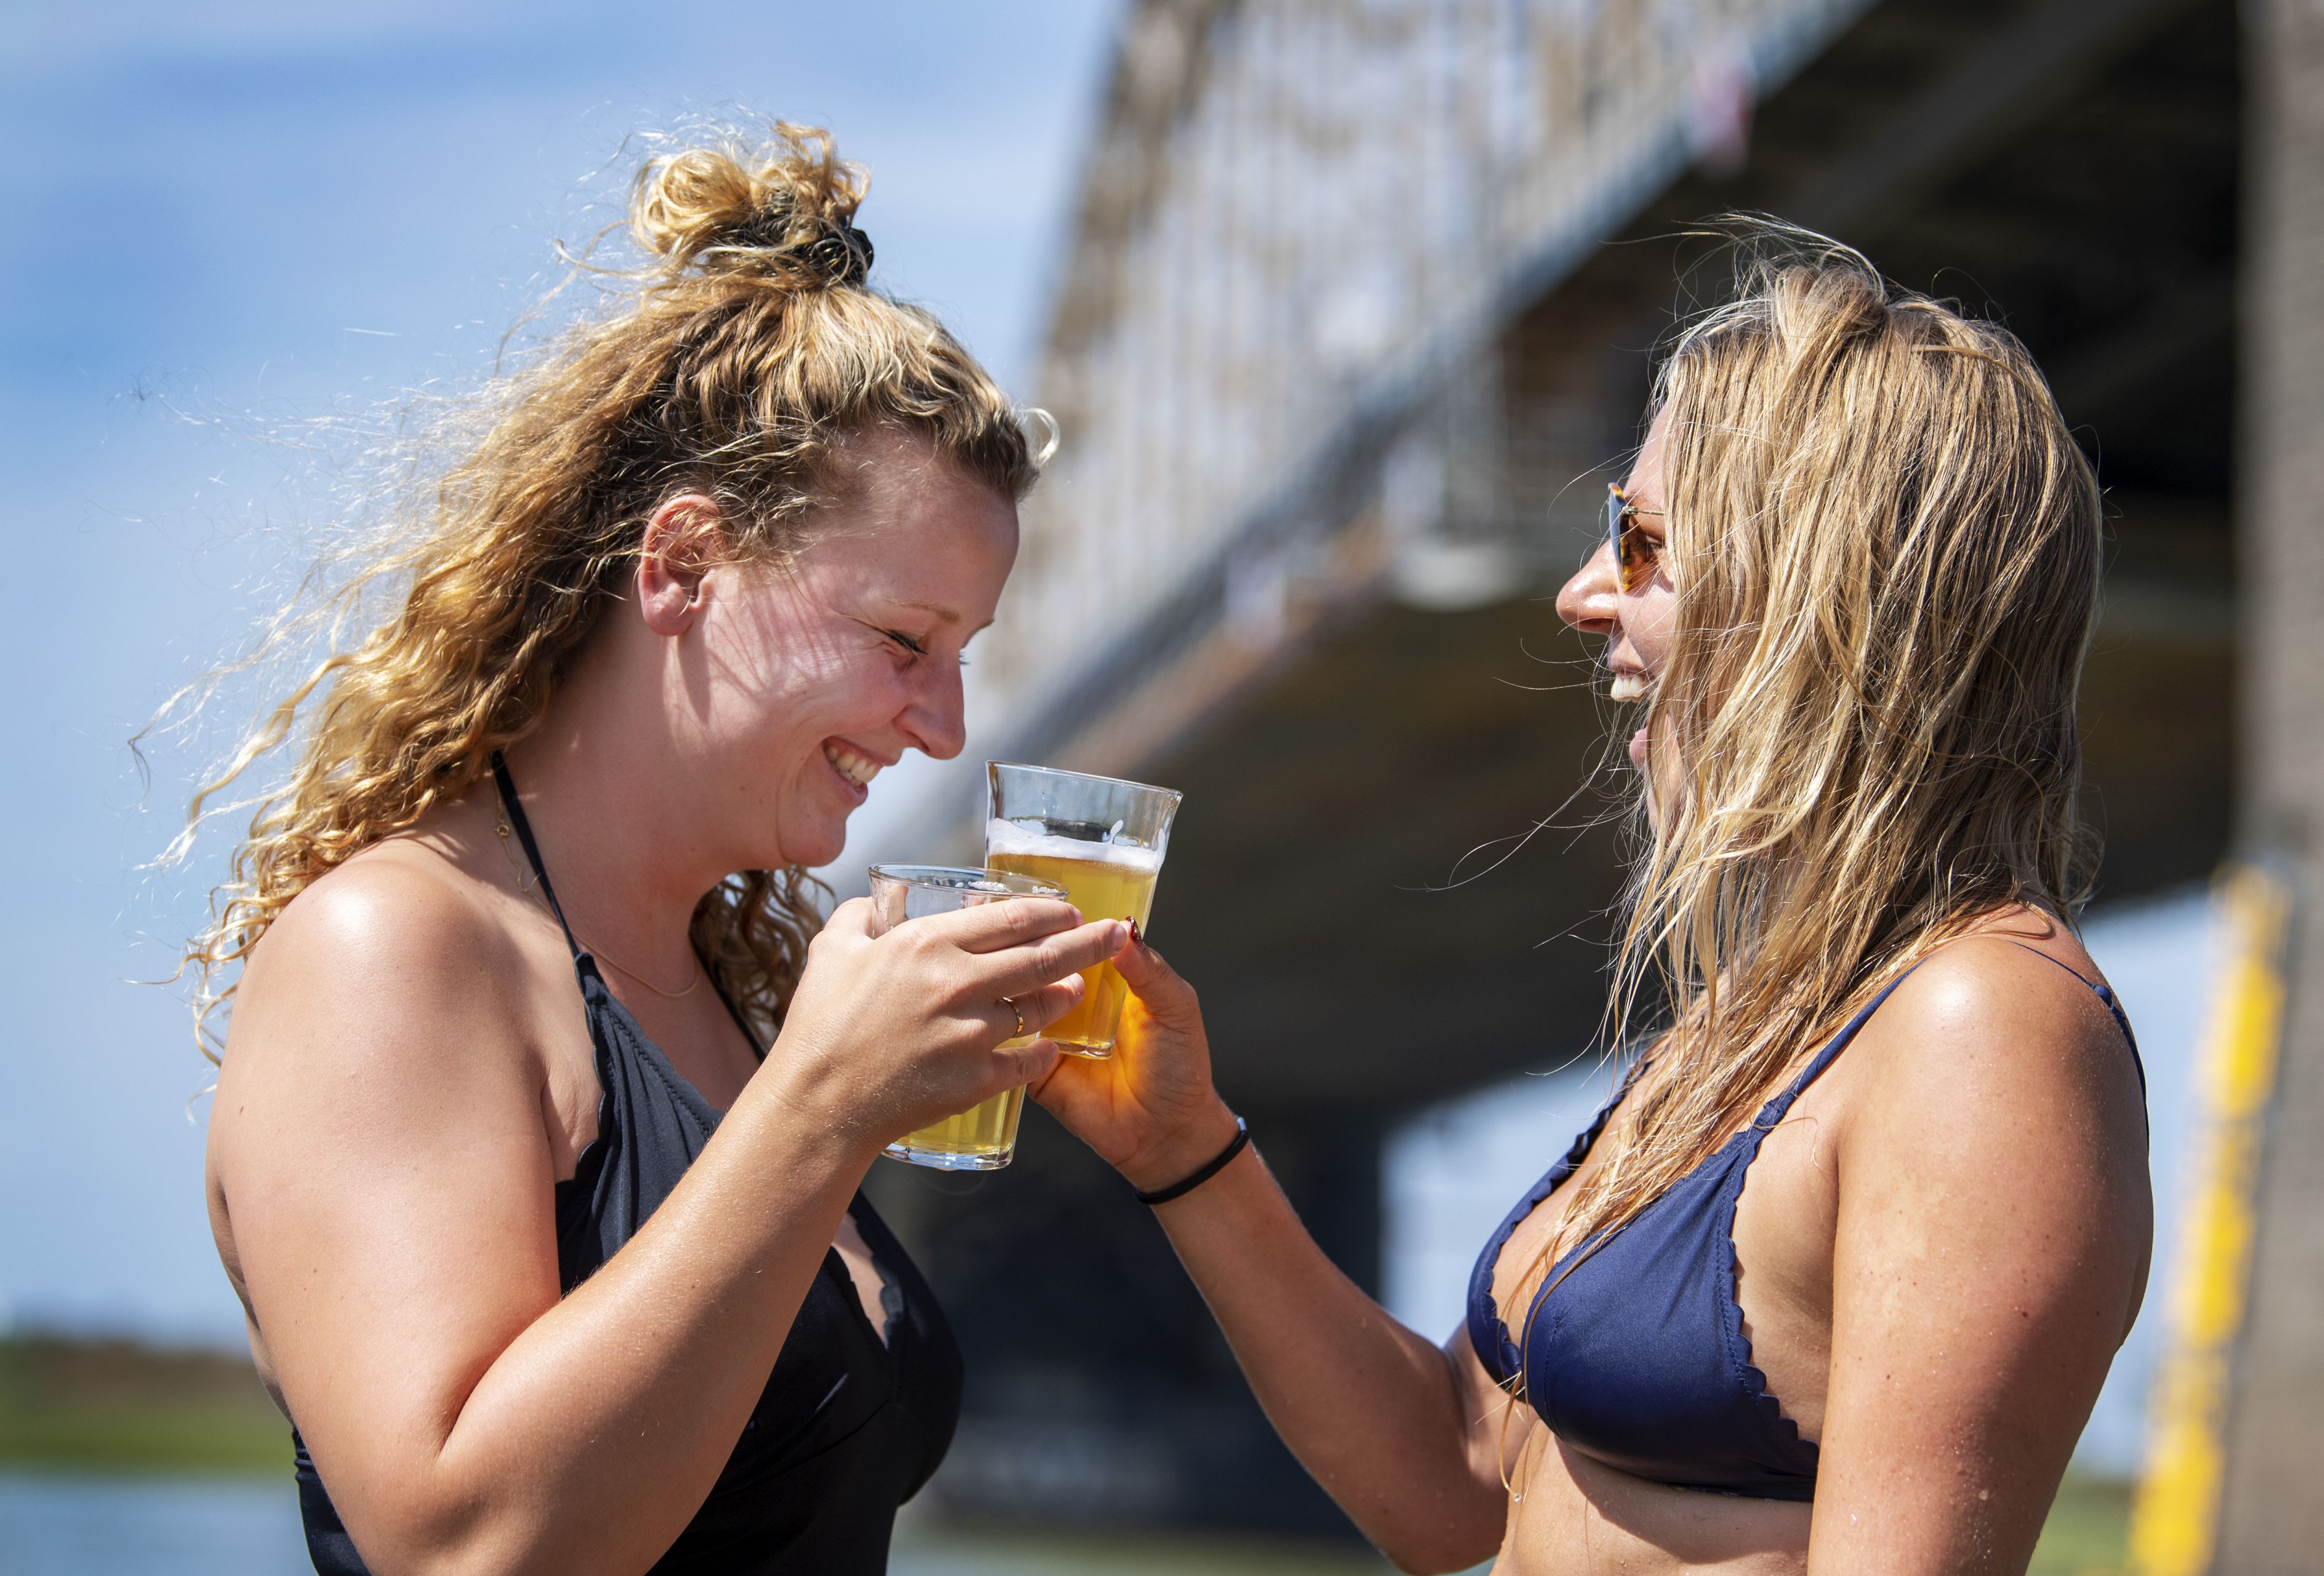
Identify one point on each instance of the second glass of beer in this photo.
(984, 1138)
(1099, 838)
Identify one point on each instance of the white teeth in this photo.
(1627, 687)
(854, 768)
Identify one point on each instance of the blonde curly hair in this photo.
(736, 356)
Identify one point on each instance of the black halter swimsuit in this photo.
(847, 1428)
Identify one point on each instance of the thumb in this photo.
(1030, 1064)
(853, 919)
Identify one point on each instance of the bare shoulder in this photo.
(390, 903)
(2005, 1017)
(1995, 1099)
(389, 968)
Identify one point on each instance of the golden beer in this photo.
(1100, 889)
(984, 1138)
(1099, 838)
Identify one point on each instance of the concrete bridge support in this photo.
(2271, 1516)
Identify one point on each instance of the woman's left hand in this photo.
(1148, 1109)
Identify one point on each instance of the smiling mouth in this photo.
(857, 768)
(1627, 687)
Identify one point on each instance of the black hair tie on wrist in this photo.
(1218, 1163)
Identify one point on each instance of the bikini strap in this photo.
(1776, 1109)
(508, 803)
(2104, 993)
(2113, 1003)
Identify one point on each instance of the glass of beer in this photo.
(984, 1138)
(1099, 838)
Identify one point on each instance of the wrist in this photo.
(820, 1116)
(1188, 1147)
(1201, 1173)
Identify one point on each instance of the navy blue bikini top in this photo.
(1635, 1355)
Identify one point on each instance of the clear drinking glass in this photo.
(984, 1138)
(1099, 838)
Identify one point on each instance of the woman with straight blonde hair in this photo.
(540, 1117)
(1831, 1283)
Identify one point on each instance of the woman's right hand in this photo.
(889, 1033)
(1148, 1109)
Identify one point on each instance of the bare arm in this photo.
(380, 1145)
(1991, 1252)
(1401, 1433)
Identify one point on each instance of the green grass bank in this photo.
(122, 1406)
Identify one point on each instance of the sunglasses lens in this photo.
(1629, 549)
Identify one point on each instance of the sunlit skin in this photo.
(1940, 1251)
(409, 1072)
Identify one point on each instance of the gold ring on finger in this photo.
(1010, 1003)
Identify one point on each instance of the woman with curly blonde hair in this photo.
(1850, 579)
(540, 1117)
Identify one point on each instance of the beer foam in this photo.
(1021, 840)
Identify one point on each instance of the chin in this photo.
(816, 847)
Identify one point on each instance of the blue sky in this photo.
(229, 220)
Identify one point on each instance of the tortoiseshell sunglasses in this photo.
(1635, 554)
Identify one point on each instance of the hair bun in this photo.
(784, 211)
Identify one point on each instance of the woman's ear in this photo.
(683, 540)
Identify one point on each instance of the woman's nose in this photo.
(1590, 601)
(936, 722)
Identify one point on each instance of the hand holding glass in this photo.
(984, 1138)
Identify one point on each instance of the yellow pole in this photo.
(2174, 1520)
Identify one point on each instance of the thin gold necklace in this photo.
(526, 887)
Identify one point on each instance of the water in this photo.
(58, 1525)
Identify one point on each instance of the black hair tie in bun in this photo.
(842, 255)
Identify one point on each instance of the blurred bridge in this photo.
(1354, 324)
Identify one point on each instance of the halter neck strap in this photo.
(507, 785)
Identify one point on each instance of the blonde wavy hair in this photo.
(734, 360)
(1886, 548)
